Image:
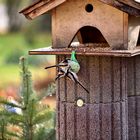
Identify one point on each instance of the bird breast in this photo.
(74, 66)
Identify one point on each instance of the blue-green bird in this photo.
(69, 63)
(73, 63)
(69, 68)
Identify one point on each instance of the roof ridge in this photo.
(43, 6)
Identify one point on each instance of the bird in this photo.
(69, 67)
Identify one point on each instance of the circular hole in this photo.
(89, 8)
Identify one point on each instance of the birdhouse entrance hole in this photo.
(89, 8)
(91, 35)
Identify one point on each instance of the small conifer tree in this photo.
(35, 120)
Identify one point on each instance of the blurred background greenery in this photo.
(17, 37)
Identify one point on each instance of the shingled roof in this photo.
(129, 6)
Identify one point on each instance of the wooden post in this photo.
(104, 115)
(134, 98)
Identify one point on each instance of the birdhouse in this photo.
(107, 36)
(114, 23)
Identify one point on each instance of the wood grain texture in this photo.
(105, 112)
(134, 117)
(62, 120)
(94, 80)
(99, 19)
(131, 118)
(134, 76)
(123, 78)
(87, 50)
(70, 121)
(138, 117)
(106, 79)
(133, 32)
(133, 90)
(81, 131)
(137, 75)
(131, 78)
(116, 121)
(124, 5)
(116, 79)
(40, 8)
(131, 3)
(105, 121)
(94, 122)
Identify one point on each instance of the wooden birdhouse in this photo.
(107, 33)
(114, 23)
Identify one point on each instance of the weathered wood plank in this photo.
(81, 123)
(94, 125)
(86, 50)
(58, 120)
(130, 73)
(133, 32)
(134, 117)
(131, 118)
(137, 76)
(71, 93)
(105, 122)
(123, 79)
(131, 3)
(34, 6)
(39, 8)
(116, 76)
(123, 7)
(124, 120)
(62, 119)
(97, 119)
(106, 79)
(94, 80)
(70, 121)
(138, 117)
(116, 121)
(125, 30)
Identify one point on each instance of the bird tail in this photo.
(74, 77)
(60, 65)
(51, 67)
(82, 86)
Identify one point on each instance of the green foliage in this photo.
(14, 45)
(12, 57)
(7, 119)
(36, 120)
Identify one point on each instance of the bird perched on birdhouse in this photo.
(69, 68)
